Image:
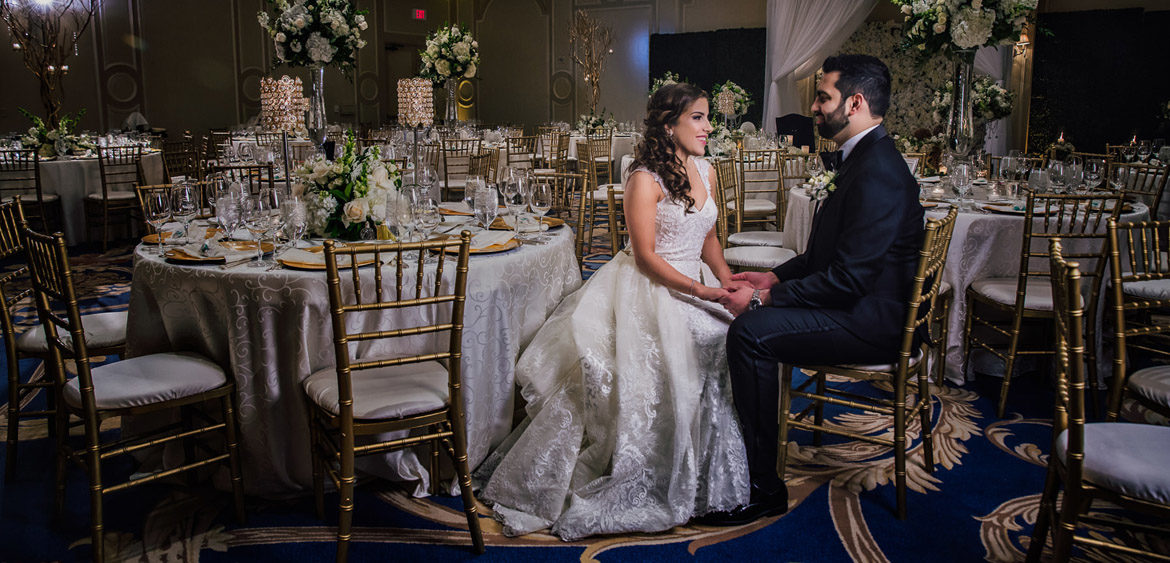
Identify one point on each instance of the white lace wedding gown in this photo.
(630, 423)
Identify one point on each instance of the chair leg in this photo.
(97, 524)
(900, 445)
(924, 414)
(61, 458)
(318, 467)
(13, 421)
(465, 491)
(1071, 507)
(229, 418)
(1044, 518)
(943, 334)
(967, 338)
(783, 408)
(819, 408)
(434, 470)
(1008, 368)
(345, 500)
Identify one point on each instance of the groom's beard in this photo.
(833, 122)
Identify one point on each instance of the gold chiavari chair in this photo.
(997, 308)
(1139, 276)
(594, 203)
(395, 391)
(1141, 182)
(1117, 153)
(793, 172)
(253, 177)
(618, 234)
(724, 191)
(215, 143)
(1118, 463)
(761, 196)
(569, 191)
(364, 143)
(598, 159)
(268, 138)
(743, 250)
(181, 158)
(481, 164)
(121, 170)
(20, 175)
(559, 153)
(521, 151)
(915, 159)
(338, 137)
(825, 145)
(910, 370)
(172, 381)
(455, 159)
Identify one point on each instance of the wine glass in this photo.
(960, 173)
(295, 220)
(426, 219)
(1119, 178)
(541, 200)
(1128, 152)
(1144, 150)
(184, 206)
(473, 184)
(1056, 176)
(158, 212)
(258, 211)
(400, 215)
(510, 190)
(1094, 168)
(485, 205)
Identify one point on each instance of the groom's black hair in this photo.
(865, 75)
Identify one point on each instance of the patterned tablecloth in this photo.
(74, 178)
(271, 329)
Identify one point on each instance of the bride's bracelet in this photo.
(691, 290)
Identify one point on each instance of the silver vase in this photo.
(960, 121)
(315, 118)
(452, 101)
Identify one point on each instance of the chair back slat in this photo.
(726, 192)
(760, 178)
(521, 150)
(1069, 311)
(120, 167)
(253, 177)
(932, 259)
(52, 283)
(1141, 182)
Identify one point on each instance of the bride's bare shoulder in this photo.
(642, 181)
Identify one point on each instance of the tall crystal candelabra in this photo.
(416, 109)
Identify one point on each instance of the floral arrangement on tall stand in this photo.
(589, 122)
(989, 102)
(667, 79)
(731, 101)
(721, 141)
(58, 141)
(451, 54)
(315, 34)
(960, 27)
(354, 192)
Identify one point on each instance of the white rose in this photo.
(462, 51)
(475, 44)
(432, 50)
(262, 17)
(443, 68)
(470, 72)
(280, 37)
(299, 23)
(940, 27)
(354, 211)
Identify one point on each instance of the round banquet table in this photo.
(984, 245)
(72, 179)
(622, 144)
(271, 329)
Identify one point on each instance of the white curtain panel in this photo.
(996, 63)
(801, 34)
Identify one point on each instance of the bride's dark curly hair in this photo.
(656, 152)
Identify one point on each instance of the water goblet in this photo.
(158, 212)
(510, 191)
(1094, 168)
(960, 174)
(1144, 150)
(1056, 176)
(541, 201)
(426, 219)
(1038, 180)
(184, 206)
(485, 205)
(1119, 178)
(295, 220)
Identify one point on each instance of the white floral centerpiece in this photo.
(588, 122)
(990, 100)
(58, 141)
(356, 190)
(932, 26)
(451, 52)
(740, 98)
(666, 80)
(720, 142)
(315, 33)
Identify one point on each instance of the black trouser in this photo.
(757, 343)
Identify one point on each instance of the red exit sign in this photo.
(418, 14)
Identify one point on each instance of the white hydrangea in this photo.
(319, 48)
(972, 27)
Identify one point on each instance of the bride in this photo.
(630, 424)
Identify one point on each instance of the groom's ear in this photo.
(857, 103)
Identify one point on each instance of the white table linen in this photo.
(72, 179)
(270, 330)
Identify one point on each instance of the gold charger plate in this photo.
(552, 222)
(180, 256)
(292, 264)
(448, 211)
(513, 243)
(152, 238)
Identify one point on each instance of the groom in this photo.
(844, 299)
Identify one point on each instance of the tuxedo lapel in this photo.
(844, 179)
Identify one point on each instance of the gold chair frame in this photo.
(765, 166)
(932, 259)
(20, 175)
(456, 162)
(618, 232)
(1146, 183)
(254, 177)
(120, 166)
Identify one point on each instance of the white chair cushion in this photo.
(917, 357)
(1122, 457)
(1152, 289)
(456, 183)
(1152, 384)
(544, 170)
(113, 195)
(102, 330)
(1038, 294)
(755, 206)
(602, 193)
(26, 199)
(147, 380)
(757, 256)
(389, 392)
(756, 238)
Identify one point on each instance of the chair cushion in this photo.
(755, 206)
(1119, 457)
(544, 170)
(29, 199)
(602, 193)
(455, 183)
(1151, 384)
(102, 330)
(381, 393)
(1038, 294)
(1152, 289)
(758, 257)
(112, 195)
(914, 359)
(147, 380)
(756, 238)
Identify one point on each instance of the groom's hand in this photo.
(736, 300)
(758, 280)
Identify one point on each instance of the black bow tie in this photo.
(832, 159)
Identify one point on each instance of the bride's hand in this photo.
(708, 293)
(757, 280)
(734, 284)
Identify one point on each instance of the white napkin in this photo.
(929, 179)
(526, 225)
(215, 250)
(318, 258)
(487, 238)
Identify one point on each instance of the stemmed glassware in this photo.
(1056, 176)
(1119, 178)
(1094, 168)
(510, 190)
(485, 204)
(228, 207)
(540, 200)
(960, 173)
(401, 216)
(1143, 150)
(426, 219)
(184, 206)
(294, 219)
(1128, 152)
(158, 212)
(263, 219)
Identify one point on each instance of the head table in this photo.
(984, 245)
(271, 329)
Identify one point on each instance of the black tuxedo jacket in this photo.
(863, 249)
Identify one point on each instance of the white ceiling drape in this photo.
(801, 34)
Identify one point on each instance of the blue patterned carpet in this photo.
(979, 503)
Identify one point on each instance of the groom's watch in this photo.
(755, 302)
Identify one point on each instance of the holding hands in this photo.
(739, 290)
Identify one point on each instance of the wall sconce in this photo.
(1021, 47)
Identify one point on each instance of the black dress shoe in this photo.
(761, 505)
